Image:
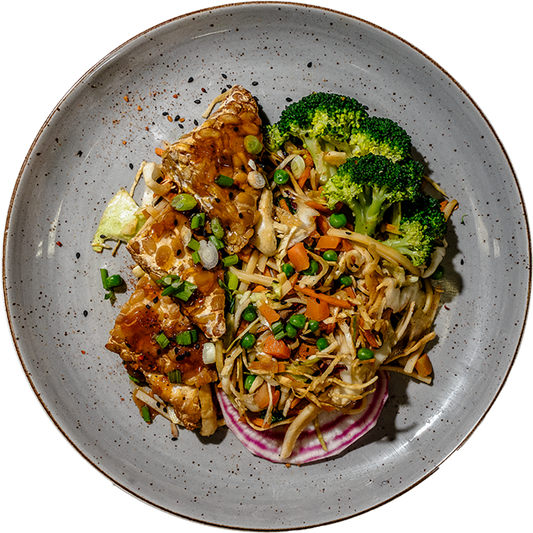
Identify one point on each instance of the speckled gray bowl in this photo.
(93, 142)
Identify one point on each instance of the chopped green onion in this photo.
(230, 260)
(183, 202)
(194, 245)
(196, 257)
(185, 291)
(197, 220)
(186, 338)
(145, 412)
(217, 242)
(277, 327)
(252, 144)
(224, 181)
(104, 275)
(174, 376)
(162, 340)
(216, 228)
(280, 335)
(232, 281)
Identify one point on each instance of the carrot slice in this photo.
(317, 309)
(276, 348)
(262, 396)
(159, 151)
(298, 256)
(331, 300)
(271, 315)
(423, 365)
(327, 242)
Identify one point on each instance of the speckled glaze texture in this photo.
(93, 143)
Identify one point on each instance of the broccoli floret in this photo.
(421, 224)
(322, 121)
(381, 136)
(369, 185)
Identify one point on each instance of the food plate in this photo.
(84, 154)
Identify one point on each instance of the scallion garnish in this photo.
(186, 338)
(162, 340)
(197, 220)
(174, 376)
(217, 242)
(216, 228)
(174, 286)
(224, 181)
(145, 412)
(194, 245)
(230, 260)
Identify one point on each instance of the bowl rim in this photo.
(79, 79)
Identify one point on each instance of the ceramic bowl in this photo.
(113, 119)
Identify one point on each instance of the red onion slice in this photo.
(339, 431)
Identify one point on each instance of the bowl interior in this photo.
(153, 88)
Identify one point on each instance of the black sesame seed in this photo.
(165, 113)
(288, 99)
(181, 125)
(309, 65)
(78, 255)
(224, 76)
(176, 118)
(131, 166)
(198, 101)
(191, 79)
(241, 215)
(223, 90)
(195, 122)
(228, 86)
(156, 299)
(255, 83)
(85, 313)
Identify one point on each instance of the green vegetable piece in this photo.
(216, 228)
(313, 268)
(298, 320)
(104, 275)
(174, 376)
(219, 245)
(249, 314)
(197, 220)
(291, 331)
(364, 354)
(183, 202)
(330, 255)
(313, 325)
(193, 245)
(345, 280)
(322, 343)
(249, 381)
(113, 281)
(277, 327)
(185, 291)
(186, 338)
(224, 181)
(252, 144)
(230, 260)
(145, 412)
(196, 258)
(287, 269)
(232, 281)
(338, 220)
(162, 340)
(281, 177)
(121, 220)
(248, 341)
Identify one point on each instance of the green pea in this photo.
(248, 341)
(113, 281)
(346, 280)
(322, 343)
(183, 202)
(298, 321)
(312, 269)
(287, 269)
(330, 255)
(281, 177)
(364, 354)
(338, 220)
(249, 314)
(291, 331)
(249, 381)
(313, 325)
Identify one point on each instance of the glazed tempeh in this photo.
(217, 147)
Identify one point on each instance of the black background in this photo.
(45, 48)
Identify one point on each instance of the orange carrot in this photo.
(159, 152)
(423, 365)
(283, 204)
(326, 242)
(259, 288)
(276, 348)
(317, 309)
(271, 315)
(319, 207)
(331, 300)
(298, 257)
(262, 396)
(323, 225)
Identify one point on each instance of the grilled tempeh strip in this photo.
(217, 148)
(159, 249)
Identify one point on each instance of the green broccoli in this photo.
(380, 136)
(369, 185)
(322, 121)
(326, 122)
(421, 224)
